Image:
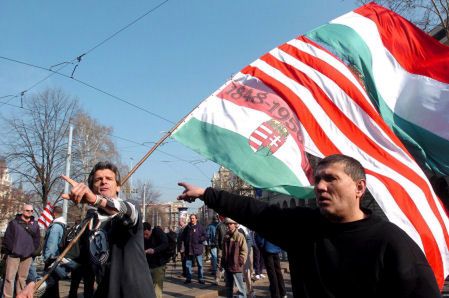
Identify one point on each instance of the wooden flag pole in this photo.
(158, 144)
(62, 255)
(149, 153)
(169, 133)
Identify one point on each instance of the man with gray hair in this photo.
(22, 239)
(113, 240)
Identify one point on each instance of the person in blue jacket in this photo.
(270, 254)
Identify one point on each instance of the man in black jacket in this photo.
(22, 239)
(114, 237)
(156, 248)
(341, 250)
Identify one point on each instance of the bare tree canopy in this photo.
(426, 14)
(36, 141)
(91, 143)
(138, 190)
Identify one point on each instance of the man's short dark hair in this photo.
(352, 167)
(146, 226)
(103, 165)
(57, 210)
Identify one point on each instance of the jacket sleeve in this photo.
(257, 215)
(8, 238)
(127, 212)
(203, 236)
(163, 240)
(51, 247)
(37, 236)
(243, 250)
(260, 241)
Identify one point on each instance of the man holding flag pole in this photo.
(113, 237)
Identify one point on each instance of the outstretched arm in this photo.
(191, 192)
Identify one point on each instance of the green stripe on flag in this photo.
(233, 152)
(429, 150)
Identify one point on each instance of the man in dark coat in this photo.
(343, 250)
(156, 250)
(193, 237)
(114, 236)
(22, 239)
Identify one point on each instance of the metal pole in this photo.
(144, 193)
(67, 172)
(170, 218)
(130, 179)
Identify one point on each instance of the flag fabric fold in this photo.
(369, 85)
(46, 217)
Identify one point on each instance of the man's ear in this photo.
(360, 187)
(118, 189)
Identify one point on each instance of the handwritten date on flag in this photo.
(264, 101)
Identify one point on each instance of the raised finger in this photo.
(69, 180)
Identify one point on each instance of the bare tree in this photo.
(91, 143)
(36, 145)
(225, 179)
(139, 188)
(426, 14)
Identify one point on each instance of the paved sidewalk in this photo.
(174, 284)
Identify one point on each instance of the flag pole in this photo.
(160, 142)
(62, 255)
(155, 146)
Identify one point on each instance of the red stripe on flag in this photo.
(327, 147)
(353, 132)
(416, 51)
(344, 83)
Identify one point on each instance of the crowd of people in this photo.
(345, 251)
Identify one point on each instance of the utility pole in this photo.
(67, 172)
(144, 193)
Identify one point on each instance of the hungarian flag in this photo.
(46, 216)
(369, 85)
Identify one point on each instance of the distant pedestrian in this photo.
(21, 240)
(248, 268)
(212, 244)
(180, 248)
(235, 252)
(220, 233)
(270, 253)
(257, 260)
(51, 250)
(172, 243)
(156, 248)
(193, 237)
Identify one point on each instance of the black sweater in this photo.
(366, 258)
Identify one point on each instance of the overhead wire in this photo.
(90, 86)
(79, 58)
(126, 27)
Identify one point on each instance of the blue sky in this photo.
(166, 63)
